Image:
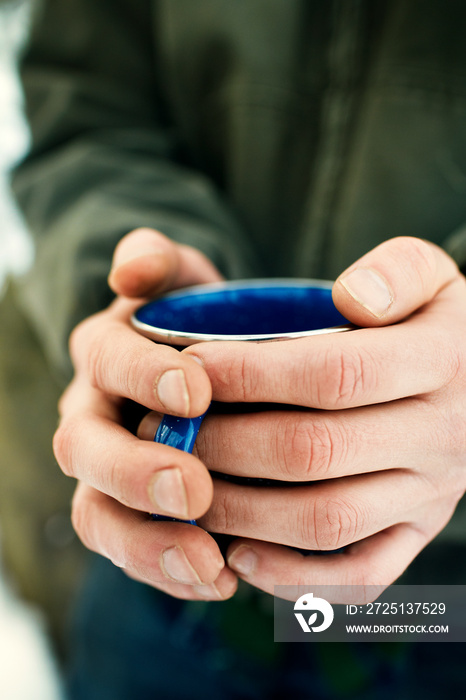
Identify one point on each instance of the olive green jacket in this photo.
(281, 137)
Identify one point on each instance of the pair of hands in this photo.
(377, 466)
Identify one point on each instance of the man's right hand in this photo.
(113, 467)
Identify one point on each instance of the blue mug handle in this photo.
(180, 433)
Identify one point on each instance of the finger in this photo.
(302, 446)
(146, 263)
(357, 368)
(145, 476)
(159, 552)
(148, 426)
(374, 562)
(393, 280)
(222, 588)
(314, 445)
(346, 370)
(119, 361)
(323, 516)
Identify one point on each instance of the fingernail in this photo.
(369, 289)
(197, 359)
(173, 392)
(243, 560)
(176, 566)
(168, 494)
(209, 592)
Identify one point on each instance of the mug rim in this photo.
(185, 338)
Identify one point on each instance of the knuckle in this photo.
(76, 340)
(219, 513)
(229, 507)
(116, 480)
(417, 261)
(86, 510)
(81, 519)
(65, 399)
(242, 378)
(89, 345)
(136, 375)
(329, 448)
(111, 479)
(236, 378)
(62, 446)
(294, 449)
(347, 378)
(310, 448)
(96, 363)
(422, 258)
(79, 336)
(337, 522)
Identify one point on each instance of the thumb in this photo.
(146, 263)
(393, 280)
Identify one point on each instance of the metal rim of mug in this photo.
(184, 338)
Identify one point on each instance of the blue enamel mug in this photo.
(247, 310)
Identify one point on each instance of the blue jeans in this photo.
(131, 642)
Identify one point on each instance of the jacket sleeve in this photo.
(103, 160)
